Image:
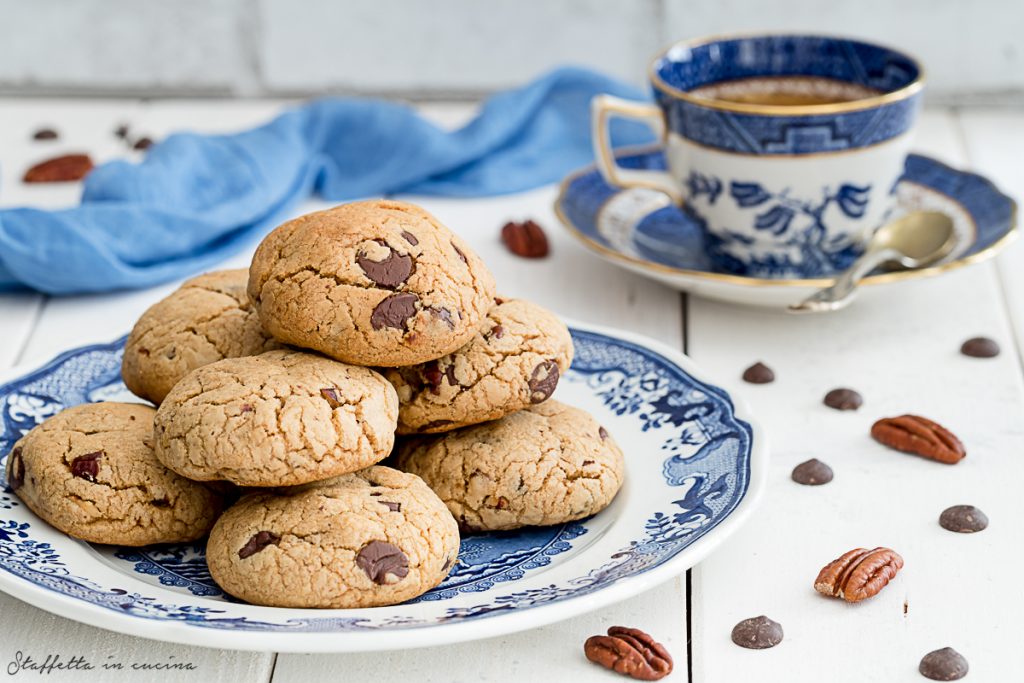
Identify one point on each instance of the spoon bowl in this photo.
(914, 240)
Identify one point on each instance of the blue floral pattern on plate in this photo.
(700, 473)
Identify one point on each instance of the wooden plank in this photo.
(898, 346)
(995, 140)
(550, 653)
(37, 634)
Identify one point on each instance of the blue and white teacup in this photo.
(786, 146)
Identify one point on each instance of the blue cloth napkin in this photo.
(195, 199)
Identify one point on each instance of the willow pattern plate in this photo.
(695, 464)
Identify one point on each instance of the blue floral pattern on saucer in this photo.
(688, 453)
(646, 228)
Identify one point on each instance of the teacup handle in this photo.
(602, 108)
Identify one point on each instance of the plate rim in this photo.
(181, 632)
(642, 265)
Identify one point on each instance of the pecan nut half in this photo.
(858, 574)
(920, 436)
(630, 652)
(525, 239)
(60, 169)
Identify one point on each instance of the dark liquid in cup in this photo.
(785, 91)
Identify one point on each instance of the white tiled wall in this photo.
(454, 47)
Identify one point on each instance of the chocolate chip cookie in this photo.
(90, 471)
(548, 464)
(378, 283)
(277, 419)
(371, 538)
(513, 361)
(208, 318)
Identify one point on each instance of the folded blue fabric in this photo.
(198, 198)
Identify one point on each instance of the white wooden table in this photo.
(898, 346)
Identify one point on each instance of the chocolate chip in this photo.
(432, 376)
(247, 408)
(587, 462)
(443, 314)
(980, 347)
(602, 432)
(943, 665)
(758, 373)
(394, 507)
(383, 562)
(394, 311)
(964, 519)
(393, 271)
(121, 131)
(258, 542)
(410, 238)
(17, 470)
(144, 352)
(459, 252)
(497, 332)
(161, 502)
(142, 143)
(812, 473)
(757, 633)
(45, 134)
(843, 399)
(330, 395)
(502, 503)
(498, 301)
(543, 381)
(87, 466)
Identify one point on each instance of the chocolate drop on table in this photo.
(758, 373)
(964, 519)
(812, 473)
(980, 347)
(757, 633)
(843, 399)
(943, 665)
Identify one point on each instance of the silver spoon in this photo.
(918, 239)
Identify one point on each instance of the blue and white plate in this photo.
(643, 231)
(695, 464)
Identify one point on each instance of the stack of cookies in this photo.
(280, 389)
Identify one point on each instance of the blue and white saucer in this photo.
(695, 465)
(643, 231)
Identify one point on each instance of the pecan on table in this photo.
(630, 652)
(858, 574)
(920, 436)
(526, 239)
(60, 169)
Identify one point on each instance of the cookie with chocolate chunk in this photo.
(208, 318)
(513, 361)
(278, 419)
(548, 464)
(371, 538)
(90, 471)
(378, 283)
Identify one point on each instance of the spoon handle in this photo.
(844, 288)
